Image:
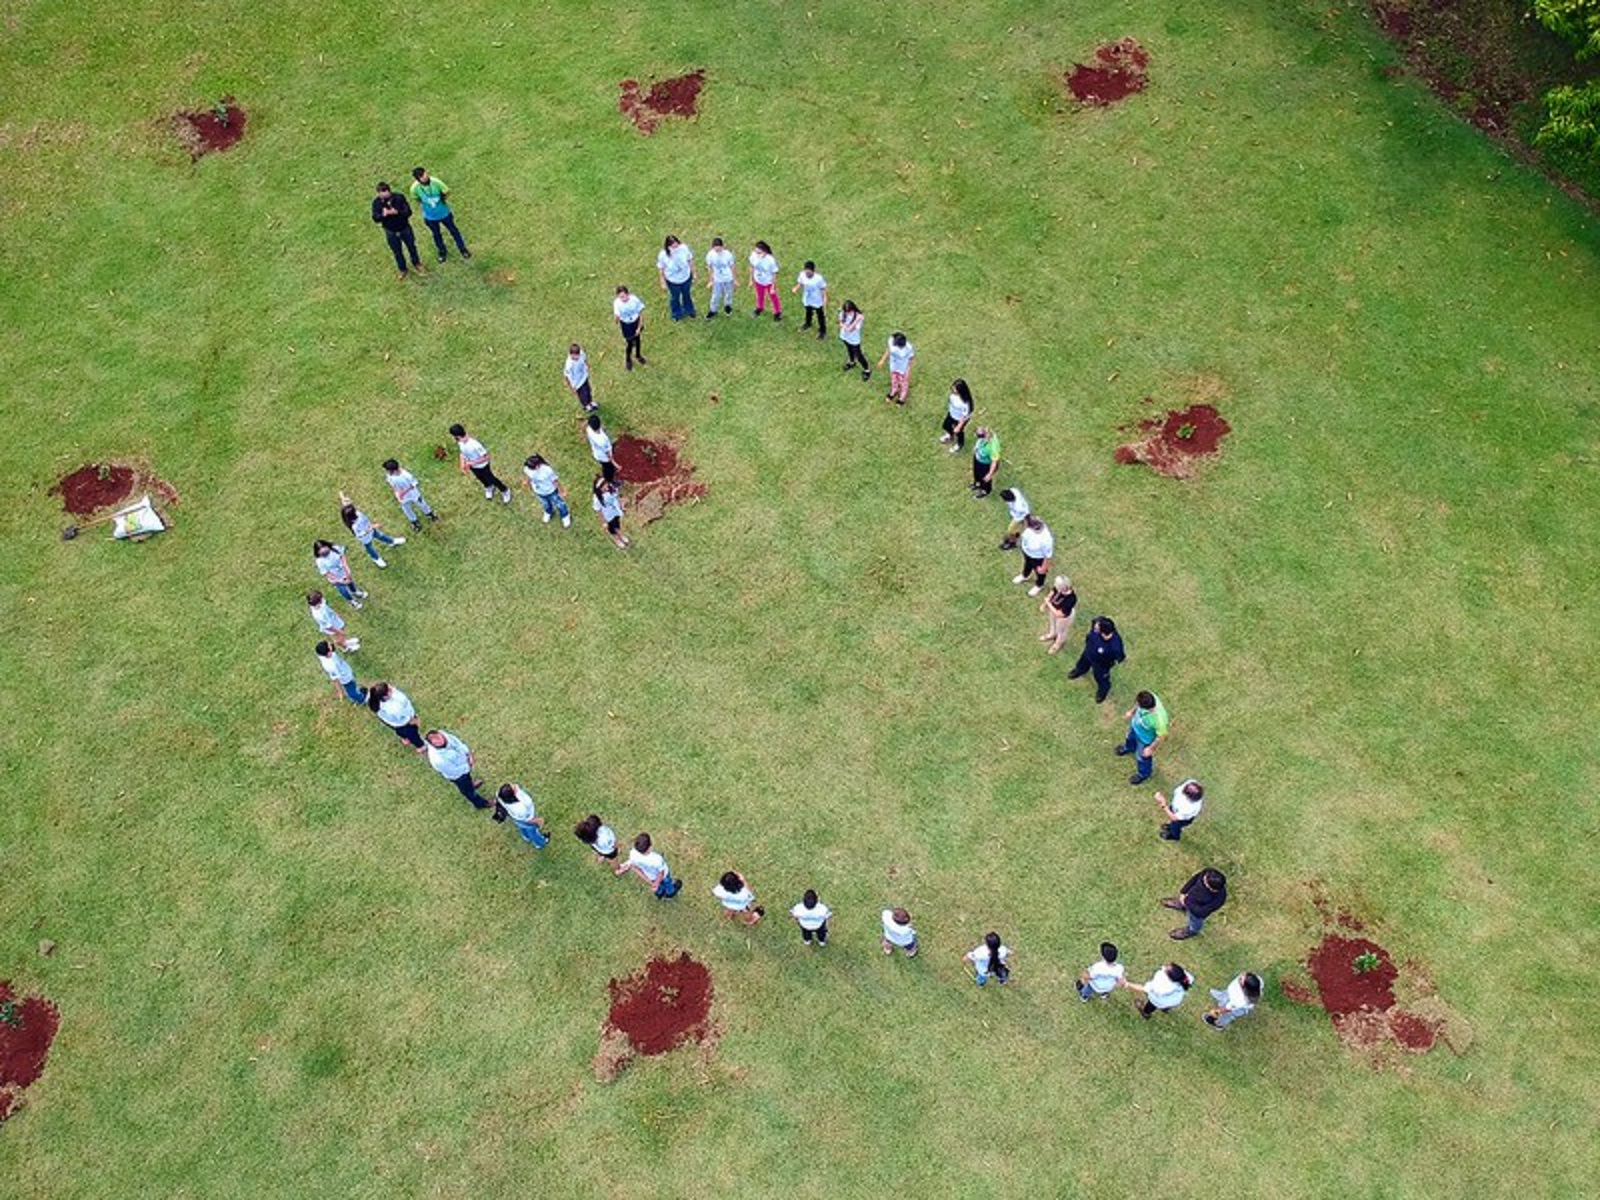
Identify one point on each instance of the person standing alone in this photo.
(1147, 726)
(390, 210)
(675, 264)
(436, 215)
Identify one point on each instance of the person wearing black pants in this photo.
(629, 311)
(391, 210)
(1102, 650)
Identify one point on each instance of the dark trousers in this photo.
(630, 337)
(468, 787)
(822, 320)
(681, 298)
(820, 934)
(853, 356)
(434, 227)
(399, 238)
(956, 429)
(1173, 830)
(608, 471)
(409, 734)
(979, 471)
(486, 476)
(1101, 671)
(1034, 567)
(585, 396)
(1143, 764)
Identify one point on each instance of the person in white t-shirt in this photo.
(394, 709)
(330, 624)
(473, 457)
(513, 804)
(815, 299)
(1038, 545)
(736, 898)
(1237, 1000)
(575, 370)
(1163, 992)
(649, 865)
(851, 319)
(898, 354)
(597, 835)
(366, 530)
(1103, 977)
(812, 916)
(1187, 799)
(600, 446)
(1017, 509)
(407, 492)
(333, 566)
(451, 757)
(547, 488)
(990, 958)
(675, 265)
(339, 672)
(607, 504)
(957, 413)
(628, 310)
(719, 260)
(764, 277)
(897, 931)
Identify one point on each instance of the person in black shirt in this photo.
(1102, 650)
(1201, 896)
(393, 212)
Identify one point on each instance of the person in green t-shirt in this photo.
(430, 193)
(1147, 725)
(985, 462)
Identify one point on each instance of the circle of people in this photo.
(1148, 721)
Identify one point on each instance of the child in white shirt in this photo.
(650, 865)
(851, 320)
(513, 804)
(1103, 977)
(598, 836)
(897, 931)
(720, 260)
(764, 277)
(407, 492)
(990, 958)
(738, 901)
(1163, 992)
(1239, 1000)
(812, 916)
(815, 299)
(898, 354)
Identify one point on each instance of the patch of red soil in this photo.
(657, 473)
(96, 486)
(1173, 444)
(1396, 22)
(675, 97)
(1344, 989)
(1118, 71)
(662, 1006)
(208, 130)
(1415, 1033)
(27, 1027)
(1362, 1004)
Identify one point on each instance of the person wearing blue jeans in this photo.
(651, 866)
(675, 264)
(338, 670)
(366, 530)
(448, 755)
(514, 804)
(390, 210)
(333, 566)
(1147, 725)
(1240, 998)
(436, 214)
(1201, 897)
(547, 488)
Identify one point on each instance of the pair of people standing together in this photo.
(391, 211)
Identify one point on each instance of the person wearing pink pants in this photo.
(763, 277)
(898, 355)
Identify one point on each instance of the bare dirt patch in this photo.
(658, 474)
(1119, 70)
(97, 486)
(675, 97)
(1174, 444)
(664, 1005)
(210, 130)
(27, 1027)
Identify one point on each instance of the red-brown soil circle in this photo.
(1345, 989)
(1174, 443)
(1118, 71)
(662, 1006)
(207, 130)
(1413, 1032)
(656, 472)
(96, 486)
(675, 97)
(24, 1046)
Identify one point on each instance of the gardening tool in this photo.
(72, 531)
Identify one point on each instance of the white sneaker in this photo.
(547, 518)
(505, 497)
(955, 449)
(566, 520)
(1019, 579)
(1035, 590)
(399, 541)
(378, 562)
(351, 645)
(488, 493)
(355, 604)
(943, 438)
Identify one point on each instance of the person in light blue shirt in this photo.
(675, 264)
(430, 193)
(514, 804)
(448, 755)
(608, 505)
(333, 663)
(629, 312)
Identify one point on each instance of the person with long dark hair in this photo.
(394, 708)
(547, 488)
(720, 259)
(366, 530)
(628, 310)
(990, 959)
(512, 803)
(736, 898)
(957, 414)
(333, 566)
(598, 836)
(851, 320)
(1163, 992)
(607, 505)
(675, 265)
(764, 279)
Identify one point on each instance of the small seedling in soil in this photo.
(1366, 962)
(219, 109)
(1185, 432)
(11, 1014)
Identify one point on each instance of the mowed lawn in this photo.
(292, 962)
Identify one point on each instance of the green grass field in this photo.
(292, 962)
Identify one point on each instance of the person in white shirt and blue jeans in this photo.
(333, 663)
(649, 865)
(675, 264)
(366, 530)
(513, 804)
(546, 486)
(448, 755)
(407, 493)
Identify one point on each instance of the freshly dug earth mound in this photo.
(1175, 443)
(1117, 72)
(665, 1005)
(657, 474)
(676, 97)
(204, 130)
(96, 486)
(27, 1027)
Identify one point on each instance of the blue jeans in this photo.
(554, 505)
(1196, 924)
(668, 887)
(356, 694)
(378, 535)
(348, 590)
(532, 834)
(1228, 1015)
(449, 223)
(1142, 764)
(682, 298)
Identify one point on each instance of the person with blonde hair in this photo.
(1059, 606)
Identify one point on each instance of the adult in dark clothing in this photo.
(393, 212)
(1200, 897)
(1102, 650)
